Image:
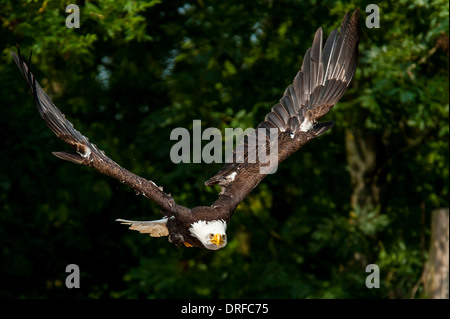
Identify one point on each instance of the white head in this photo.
(211, 234)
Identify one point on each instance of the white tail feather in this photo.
(155, 228)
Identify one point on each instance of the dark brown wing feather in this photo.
(323, 78)
(87, 153)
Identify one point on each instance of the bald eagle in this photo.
(323, 78)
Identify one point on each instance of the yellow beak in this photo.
(217, 239)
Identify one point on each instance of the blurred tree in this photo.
(135, 70)
(435, 275)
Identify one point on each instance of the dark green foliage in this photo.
(135, 70)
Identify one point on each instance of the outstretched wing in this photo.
(323, 78)
(87, 153)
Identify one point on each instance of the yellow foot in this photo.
(187, 244)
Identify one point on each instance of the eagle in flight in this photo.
(323, 78)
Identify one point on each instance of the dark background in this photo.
(135, 70)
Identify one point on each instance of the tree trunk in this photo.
(362, 157)
(436, 272)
